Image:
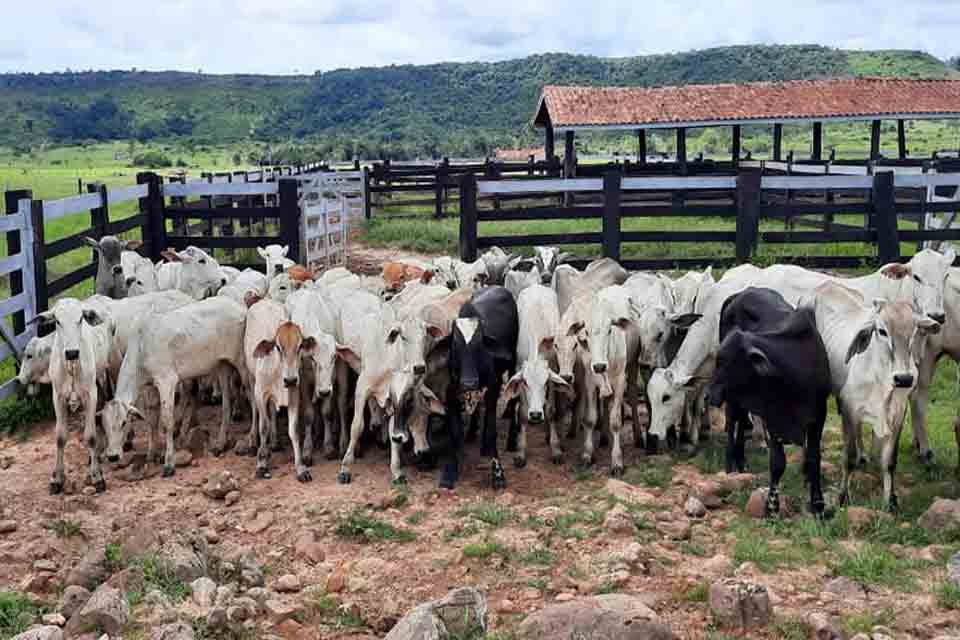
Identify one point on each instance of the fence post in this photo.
(441, 181)
(290, 217)
(11, 204)
(155, 226)
(39, 257)
(468, 217)
(611, 214)
(365, 176)
(99, 216)
(885, 217)
(748, 212)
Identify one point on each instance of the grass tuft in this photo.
(360, 527)
(865, 622)
(873, 564)
(483, 550)
(17, 613)
(64, 528)
(948, 596)
(157, 574)
(488, 513)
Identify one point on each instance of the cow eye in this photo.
(666, 398)
(882, 332)
(140, 282)
(203, 261)
(660, 336)
(917, 278)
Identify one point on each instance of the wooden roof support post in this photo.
(777, 142)
(548, 143)
(682, 149)
(901, 140)
(735, 152)
(642, 146)
(569, 156)
(817, 153)
(875, 140)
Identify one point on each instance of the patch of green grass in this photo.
(608, 586)
(113, 558)
(948, 596)
(157, 574)
(322, 605)
(865, 622)
(582, 474)
(649, 475)
(693, 549)
(541, 584)
(488, 513)
(416, 517)
(467, 530)
(17, 613)
(539, 556)
(64, 528)
(873, 564)
(790, 629)
(483, 550)
(697, 593)
(347, 620)
(360, 527)
(579, 525)
(18, 414)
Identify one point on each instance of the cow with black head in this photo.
(483, 346)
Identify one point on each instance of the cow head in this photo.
(288, 344)
(109, 249)
(71, 346)
(115, 418)
(281, 287)
(610, 319)
(667, 391)
(547, 259)
(322, 359)
(531, 385)
(200, 275)
(35, 364)
(274, 255)
(687, 289)
(471, 275)
(656, 326)
(573, 346)
(445, 272)
(470, 358)
(882, 358)
(926, 274)
(140, 274)
(497, 262)
(741, 365)
(424, 403)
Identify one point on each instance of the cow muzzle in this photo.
(117, 269)
(902, 380)
(324, 393)
(567, 377)
(277, 269)
(600, 367)
(535, 417)
(113, 458)
(72, 354)
(419, 369)
(289, 383)
(546, 278)
(939, 316)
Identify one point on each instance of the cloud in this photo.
(278, 36)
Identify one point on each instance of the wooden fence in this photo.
(747, 198)
(19, 268)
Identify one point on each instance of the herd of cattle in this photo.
(431, 352)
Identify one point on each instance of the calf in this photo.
(198, 339)
(272, 347)
(110, 280)
(772, 364)
(873, 354)
(191, 271)
(80, 350)
(482, 348)
(536, 378)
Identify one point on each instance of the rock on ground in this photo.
(860, 519)
(53, 619)
(740, 603)
(614, 616)
(822, 627)
(694, 507)
(220, 484)
(953, 569)
(287, 584)
(8, 526)
(176, 631)
(188, 559)
(107, 609)
(48, 632)
(619, 521)
(436, 620)
(204, 590)
(74, 597)
(90, 571)
(942, 515)
(756, 505)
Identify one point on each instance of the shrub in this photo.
(152, 160)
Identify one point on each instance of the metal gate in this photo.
(331, 202)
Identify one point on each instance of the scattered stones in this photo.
(204, 591)
(217, 617)
(225, 594)
(734, 481)
(232, 498)
(694, 507)
(290, 628)
(46, 566)
(211, 536)
(258, 595)
(175, 631)
(261, 523)
(564, 596)
(740, 603)
(337, 581)
(53, 619)
(74, 597)
(460, 608)
(822, 627)
(242, 609)
(717, 565)
(861, 519)
(186, 563)
(90, 571)
(47, 632)
(756, 505)
(613, 616)
(619, 521)
(182, 458)
(139, 542)
(953, 569)
(307, 547)
(278, 610)
(678, 529)
(251, 573)
(107, 609)
(508, 607)
(8, 526)
(845, 588)
(220, 484)
(288, 583)
(943, 515)
(629, 493)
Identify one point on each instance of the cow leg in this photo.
(956, 434)
(396, 447)
(265, 406)
(343, 407)
(293, 415)
(473, 429)
(513, 435)
(498, 478)
(520, 458)
(330, 445)
(616, 424)
(736, 440)
(556, 452)
(451, 456)
(168, 390)
(153, 436)
(58, 478)
(851, 457)
(252, 436)
(226, 410)
(589, 421)
(90, 439)
(305, 394)
(811, 456)
(918, 409)
(356, 430)
(888, 460)
(778, 463)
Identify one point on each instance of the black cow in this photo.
(772, 364)
(483, 346)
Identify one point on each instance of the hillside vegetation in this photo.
(397, 111)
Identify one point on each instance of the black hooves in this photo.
(498, 479)
(556, 459)
(616, 472)
(400, 481)
(216, 452)
(893, 506)
(305, 476)
(262, 473)
(100, 486)
(168, 470)
(820, 513)
(343, 477)
(653, 444)
(56, 488)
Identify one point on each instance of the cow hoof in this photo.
(653, 445)
(616, 472)
(56, 488)
(862, 463)
(168, 471)
(557, 458)
(925, 458)
(823, 514)
(305, 476)
(519, 462)
(262, 473)
(343, 477)
(893, 505)
(100, 486)
(603, 440)
(400, 481)
(498, 479)
(217, 451)
(843, 499)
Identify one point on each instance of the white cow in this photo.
(547, 259)
(199, 339)
(873, 354)
(80, 351)
(139, 273)
(536, 378)
(276, 258)
(570, 283)
(191, 271)
(687, 288)
(516, 281)
(272, 347)
(35, 364)
(456, 274)
(249, 283)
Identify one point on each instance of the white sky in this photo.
(303, 36)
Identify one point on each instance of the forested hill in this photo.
(404, 110)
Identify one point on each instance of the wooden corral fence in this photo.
(18, 267)
(747, 198)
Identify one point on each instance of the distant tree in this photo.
(954, 62)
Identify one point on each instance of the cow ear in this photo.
(264, 349)
(860, 341)
(896, 271)
(623, 323)
(426, 277)
(927, 325)
(684, 321)
(285, 250)
(132, 245)
(250, 298)
(513, 387)
(436, 332)
(949, 254)
(263, 253)
(879, 304)
(433, 402)
(760, 362)
(560, 384)
(564, 257)
(92, 317)
(309, 344)
(576, 328)
(170, 255)
(546, 345)
(133, 411)
(393, 335)
(43, 318)
(708, 274)
(93, 243)
(349, 356)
